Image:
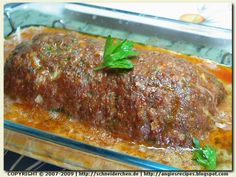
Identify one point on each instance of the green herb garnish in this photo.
(57, 110)
(204, 156)
(116, 54)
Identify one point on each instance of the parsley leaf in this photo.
(116, 55)
(204, 156)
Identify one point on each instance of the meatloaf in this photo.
(164, 100)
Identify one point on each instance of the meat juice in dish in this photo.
(153, 111)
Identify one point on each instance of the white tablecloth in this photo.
(216, 14)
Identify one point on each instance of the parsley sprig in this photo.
(116, 54)
(204, 156)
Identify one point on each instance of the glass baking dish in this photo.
(150, 30)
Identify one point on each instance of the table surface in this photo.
(216, 14)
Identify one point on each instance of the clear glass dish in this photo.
(170, 34)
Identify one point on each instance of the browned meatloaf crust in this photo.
(164, 100)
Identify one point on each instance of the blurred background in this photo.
(210, 14)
